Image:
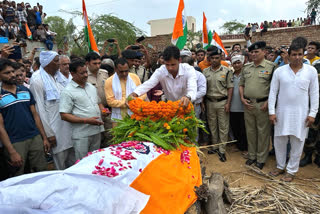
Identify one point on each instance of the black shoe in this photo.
(272, 152)
(250, 162)
(306, 160)
(222, 157)
(317, 160)
(212, 151)
(259, 165)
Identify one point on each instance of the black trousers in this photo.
(4, 168)
(239, 130)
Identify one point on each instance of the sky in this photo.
(139, 12)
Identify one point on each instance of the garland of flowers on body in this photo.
(166, 124)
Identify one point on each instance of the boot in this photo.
(306, 160)
(317, 160)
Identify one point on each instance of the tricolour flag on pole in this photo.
(180, 30)
(217, 42)
(29, 34)
(87, 30)
(206, 34)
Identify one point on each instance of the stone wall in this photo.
(274, 37)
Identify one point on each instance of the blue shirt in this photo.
(18, 119)
(38, 18)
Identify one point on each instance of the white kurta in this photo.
(49, 114)
(292, 98)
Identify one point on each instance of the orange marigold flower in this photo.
(185, 130)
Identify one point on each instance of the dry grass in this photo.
(274, 197)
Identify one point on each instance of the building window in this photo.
(192, 28)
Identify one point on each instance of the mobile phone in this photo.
(135, 47)
(65, 40)
(140, 39)
(16, 54)
(110, 40)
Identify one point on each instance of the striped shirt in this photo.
(18, 119)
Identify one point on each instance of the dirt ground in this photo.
(236, 174)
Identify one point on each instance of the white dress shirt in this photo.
(201, 87)
(289, 98)
(185, 83)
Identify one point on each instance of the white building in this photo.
(165, 26)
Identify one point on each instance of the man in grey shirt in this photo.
(237, 109)
(81, 106)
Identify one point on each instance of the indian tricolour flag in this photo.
(206, 34)
(87, 30)
(217, 42)
(180, 30)
(29, 34)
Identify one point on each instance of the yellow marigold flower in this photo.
(168, 127)
(170, 131)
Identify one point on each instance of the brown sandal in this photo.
(287, 177)
(276, 172)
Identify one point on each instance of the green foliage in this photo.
(62, 28)
(312, 4)
(103, 27)
(233, 27)
(108, 26)
(167, 134)
(193, 39)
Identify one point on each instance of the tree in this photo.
(62, 28)
(233, 27)
(312, 4)
(108, 26)
(104, 27)
(194, 38)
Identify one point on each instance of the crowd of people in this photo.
(64, 105)
(264, 26)
(17, 18)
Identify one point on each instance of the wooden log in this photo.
(215, 203)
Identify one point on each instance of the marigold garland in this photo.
(166, 124)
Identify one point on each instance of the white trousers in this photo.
(280, 146)
(64, 159)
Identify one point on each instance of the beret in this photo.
(257, 45)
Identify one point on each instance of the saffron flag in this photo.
(206, 35)
(217, 42)
(29, 34)
(180, 30)
(87, 30)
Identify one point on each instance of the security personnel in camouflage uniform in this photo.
(218, 100)
(97, 77)
(254, 91)
(312, 143)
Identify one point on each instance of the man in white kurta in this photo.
(293, 105)
(46, 89)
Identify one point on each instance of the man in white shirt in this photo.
(64, 61)
(293, 105)
(178, 80)
(46, 86)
